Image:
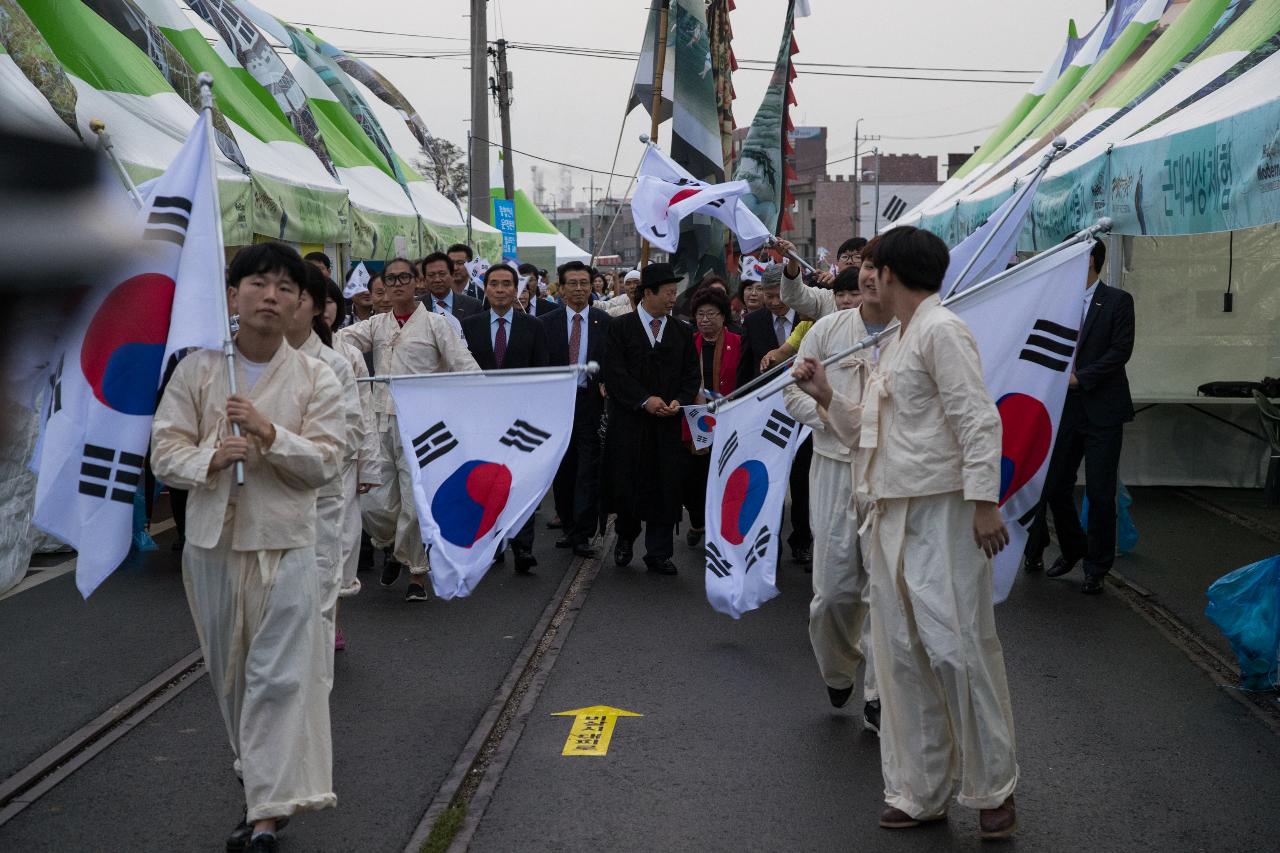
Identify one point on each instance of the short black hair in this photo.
(461, 247)
(332, 291)
(488, 274)
(714, 298)
(528, 269)
(1099, 255)
(574, 266)
(268, 257)
(319, 256)
(413, 268)
(437, 257)
(853, 244)
(847, 281)
(917, 257)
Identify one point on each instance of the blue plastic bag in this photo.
(1245, 605)
(1126, 530)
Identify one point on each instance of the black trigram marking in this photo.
(432, 444)
(524, 436)
(726, 453)
(108, 474)
(170, 216)
(716, 563)
(895, 208)
(1050, 345)
(759, 547)
(1028, 517)
(55, 390)
(779, 428)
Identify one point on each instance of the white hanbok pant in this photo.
(264, 641)
(350, 531)
(330, 512)
(945, 712)
(839, 629)
(389, 513)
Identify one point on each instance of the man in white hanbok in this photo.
(249, 564)
(933, 479)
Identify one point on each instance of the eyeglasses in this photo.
(707, 316)
(849, 258)
(401, 280)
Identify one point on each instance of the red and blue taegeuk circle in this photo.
(123, 349)
(706, 423)
(469, 501)
(744, 494)
(1028, 435)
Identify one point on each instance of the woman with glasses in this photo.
(718, 352)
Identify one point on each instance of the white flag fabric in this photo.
(754, 445)
(104, 387)
(483, 450)
(724, 205)
(476, 269)
(751, 268)
(1006, 223)
(1027, 328)
(358, 282)
(702, 425)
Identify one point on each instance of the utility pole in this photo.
(857, 175)
(478, 193)
(876, 229)
(503, 91)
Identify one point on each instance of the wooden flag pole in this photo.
(659, 70)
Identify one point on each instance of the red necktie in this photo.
(500, 342)
(575, 339)
(444, 306)
(656, 325)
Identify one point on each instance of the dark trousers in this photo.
(522, 542)
(801, 534)
(1099, 448)
(576, 488)
(696, 470)
(658, 545)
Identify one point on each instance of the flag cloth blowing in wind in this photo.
(104, 387)
(993, 255)
(477, 481)
(754, 444)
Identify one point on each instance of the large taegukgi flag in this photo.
(483, 450)
(1027, 328)
(755, 441)
(103, 388)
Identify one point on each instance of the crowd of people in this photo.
(893, 498)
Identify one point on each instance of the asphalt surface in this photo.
(1124, 743)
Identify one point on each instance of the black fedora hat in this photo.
(654, 276)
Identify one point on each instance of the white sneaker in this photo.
(348, 590)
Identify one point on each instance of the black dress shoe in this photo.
(1060, 567)
(1092, 586)
(839, 697)
(1031, 565)
(583, 550)
(566, 542)
(390, 572)
(525, 563)
(802, 556)
(622, 554)
(240, 836)
(661, 567)
(694, 537)
(264, 843)
(555, 524)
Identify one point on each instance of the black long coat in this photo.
(644, 456)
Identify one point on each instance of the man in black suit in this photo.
(764, 330)
(461, 255)
(650, 371)
(504, 338)
(538, 305)
(1098, 406)
(437, 275)
(576, 335)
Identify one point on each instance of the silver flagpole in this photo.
(804, 265)
(591, 368)
(1058, 144)
(205, 81)
(99, 127)
(1102, 226)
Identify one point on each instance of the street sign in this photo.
(592, 729)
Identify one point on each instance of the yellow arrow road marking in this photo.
(592, 729)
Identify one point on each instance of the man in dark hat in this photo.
(650, 371)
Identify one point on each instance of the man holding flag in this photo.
(934, 475)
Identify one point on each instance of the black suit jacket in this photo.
(526, 341)
(1106, 343)
(758, 340)
(597, 330)
(463, 306)
(543, 307)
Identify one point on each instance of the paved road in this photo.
(1124, 743)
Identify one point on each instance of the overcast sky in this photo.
(569, 108)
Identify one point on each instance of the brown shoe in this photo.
(892, 818)
(1000, 822)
